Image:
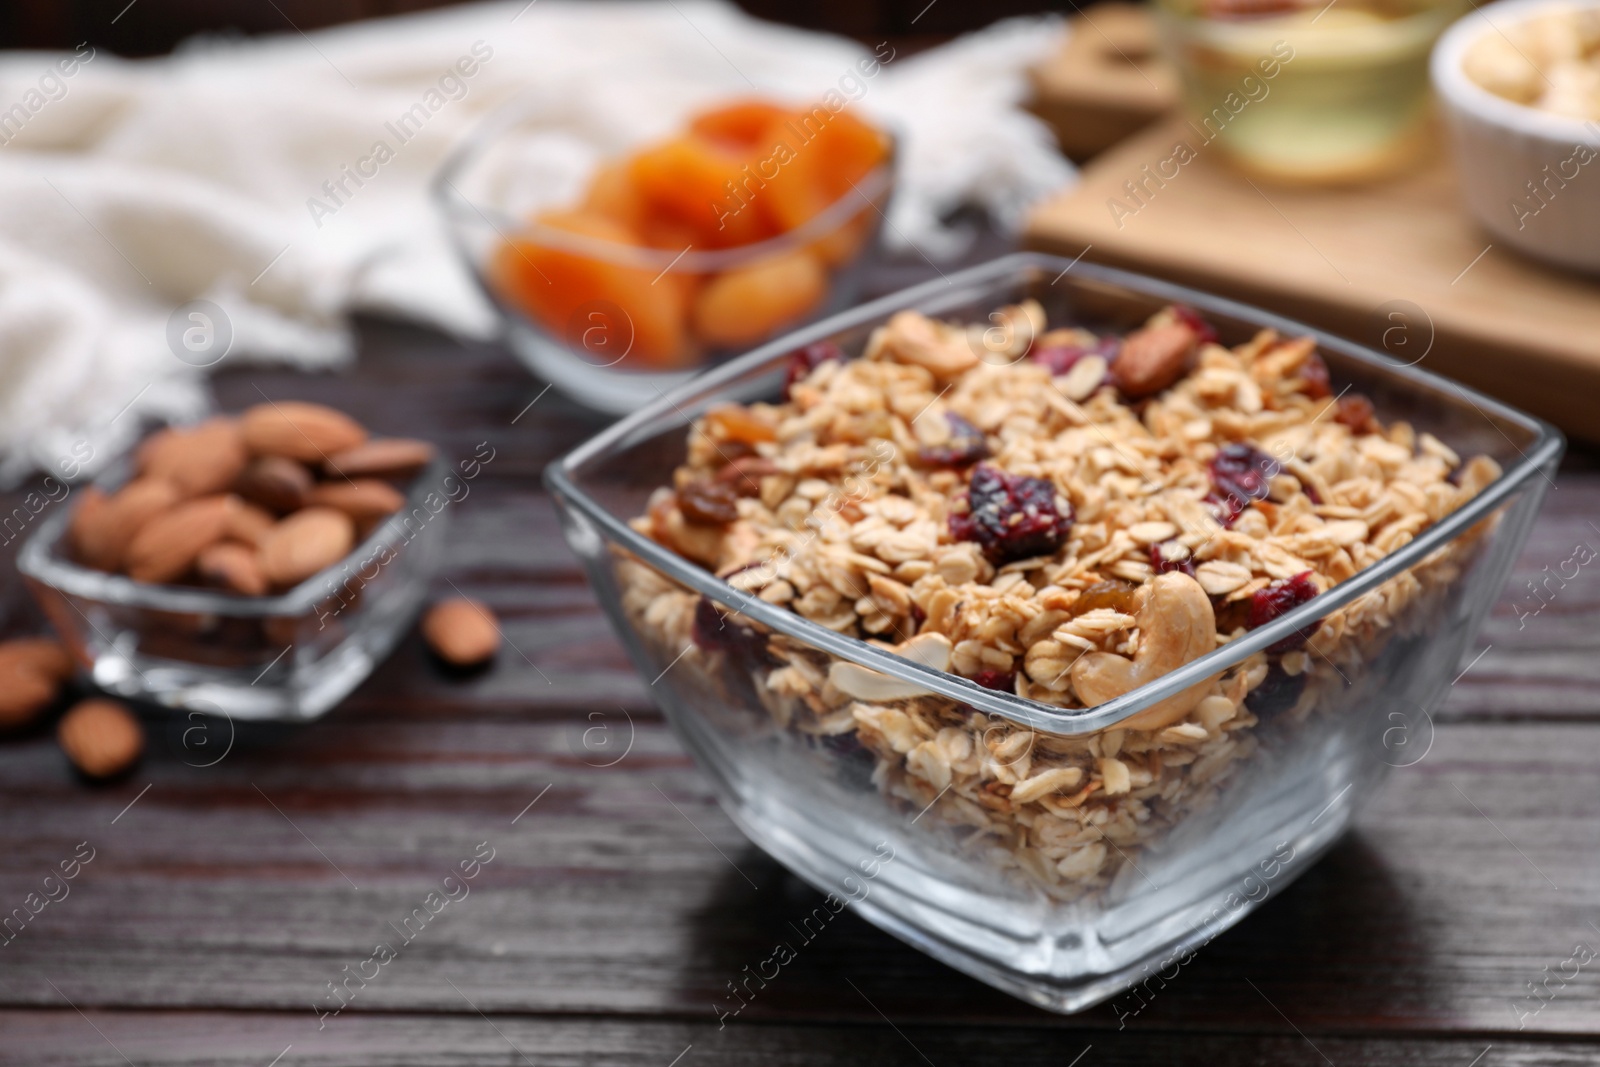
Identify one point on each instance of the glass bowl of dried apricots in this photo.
(620, 270)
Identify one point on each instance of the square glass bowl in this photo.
(608, 350)
(936, 869)
(290, 656)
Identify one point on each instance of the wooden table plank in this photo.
(217, 1039)
(217, 907)
(254, 882)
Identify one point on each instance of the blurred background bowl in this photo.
(613, 321)
(1529, 176)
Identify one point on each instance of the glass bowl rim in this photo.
(458, 209)
(35, 561)
(1547, 445)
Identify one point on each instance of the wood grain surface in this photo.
(619, 901)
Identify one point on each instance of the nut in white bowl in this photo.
(1529, 175)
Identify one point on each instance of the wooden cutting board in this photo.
(1357, 261)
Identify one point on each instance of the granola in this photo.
(1061, 515)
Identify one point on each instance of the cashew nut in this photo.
(912, 337)
(1178, 625)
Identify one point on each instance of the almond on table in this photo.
(101, 737)
(462, 632)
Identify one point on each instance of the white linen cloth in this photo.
(133, 187)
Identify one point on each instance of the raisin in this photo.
(802, 361)
(716, 630)
(1058, 359)
(1314, 381)
(1011, 516)
(1240, 474)
(709, 503)
(1280, 598)
(965, 447)
(1204, 332)
(1001, 681)
(1279, 691)
(1165, 560)
(1355, 411)
(746, 472)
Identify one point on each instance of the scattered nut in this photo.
(32, 670)
(101, 737)
(381, 457)
(461, 632)
(292, 428)
(305, 543)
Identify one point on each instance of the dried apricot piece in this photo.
(613, 194)
(601, 307)
(744, 305)
(695, 181)
(742, 124)
(826, 155)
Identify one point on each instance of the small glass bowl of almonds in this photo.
(1054, 615)
(256, 566)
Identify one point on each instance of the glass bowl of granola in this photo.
(1055, 617)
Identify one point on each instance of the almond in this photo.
(363, 499)
(104, 531)
(198, 460)
(233, 566)
(305, 543)
(250, 524)
(381, 457)
(278, 484)
(101, 737)
(167, 545)
(32, 671)
(461, 632)
(1152, 359)
(307, 432)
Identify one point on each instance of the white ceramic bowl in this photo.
(1503, 149)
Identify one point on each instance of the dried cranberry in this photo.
(1314, 378)
(965, 447)
(1001, 681)
(1240, 474)
(1164, 560)
(1355, 411)
(1279, 598)
(1011, 516)
(1058, 359)
(1278, 691)
(709, 503)
(716, 630)
(1204, 332)
(802, 361)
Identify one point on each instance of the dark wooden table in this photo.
(222, 900)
